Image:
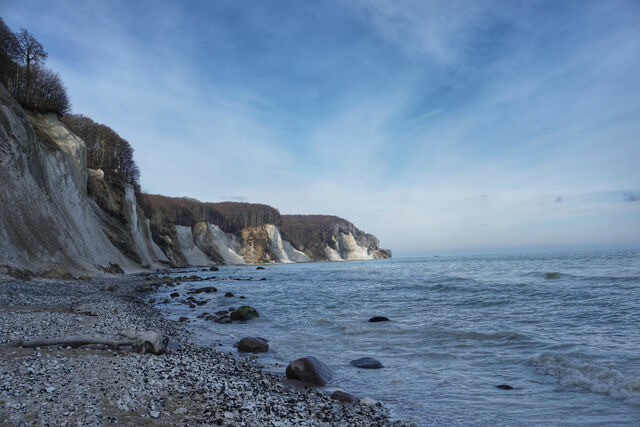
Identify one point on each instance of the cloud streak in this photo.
(397, 116)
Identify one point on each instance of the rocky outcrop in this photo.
(330, 237)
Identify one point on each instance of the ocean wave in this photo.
(597, 379)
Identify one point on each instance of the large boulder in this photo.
(309, 370)
(244, 312)
(253, 345)
(366, 363)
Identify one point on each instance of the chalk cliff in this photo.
(55, 214)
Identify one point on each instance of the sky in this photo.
(438, 126)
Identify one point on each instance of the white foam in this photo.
(598, 379)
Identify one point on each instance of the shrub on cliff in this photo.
(105, 148)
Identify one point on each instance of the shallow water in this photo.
(568, 342)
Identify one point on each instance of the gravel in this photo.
(95, 385)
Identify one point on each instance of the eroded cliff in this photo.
(55, 212)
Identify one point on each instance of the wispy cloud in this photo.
(432, 124)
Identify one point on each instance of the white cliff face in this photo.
(45, 215)
(348, 249)
(226, 244)
(146, 249)
(282, 250)
(193, 254)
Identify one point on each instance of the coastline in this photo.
(189, 384)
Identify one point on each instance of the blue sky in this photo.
(436, 125)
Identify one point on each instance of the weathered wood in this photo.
(144, 342)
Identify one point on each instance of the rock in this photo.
(203, 315)
(263, 278)
(174, 295)
(367, 401)
(504, 387)
(223, 320)
(379, 319)
(341, 396)
(206, 289)
(244, 312)
(552, 276)
(366, 363)
(184, 319)
(210, 317)
(154, 414)
(259, 268)
(222, 313)
(214, 268)
(242, 297)
(309, 370)
(229, 294)
(253, 345)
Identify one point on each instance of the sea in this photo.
(562, 329)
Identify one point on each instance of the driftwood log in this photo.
(142, 342)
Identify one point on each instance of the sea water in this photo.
(562, 329)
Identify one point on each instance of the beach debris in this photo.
(142, 342)
(309, 370)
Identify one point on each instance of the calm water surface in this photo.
(563, 329)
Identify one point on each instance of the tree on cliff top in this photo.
(31, 52)
(23, 73)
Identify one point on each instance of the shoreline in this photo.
(189, 384)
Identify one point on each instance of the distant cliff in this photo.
(330, 237)
(58, 215)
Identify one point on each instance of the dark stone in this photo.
(206, 289)
(223, 320)
(242, 297)
(165, 301)
(341, 396)
(253, 345)
(203, 315)
(184, 319)
(214, 268)
(504, 387)
(231, 309)
(379, 319)
(229, 294)
(367, 363)
(222, 312)
(309, 370)
(174, 295)
(264, 278)
(192, 305)
(210, 317)
(244, 312)
(259, 268)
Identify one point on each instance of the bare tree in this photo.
(31, 51)
(9, 53)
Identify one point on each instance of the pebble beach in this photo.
(189, 384)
